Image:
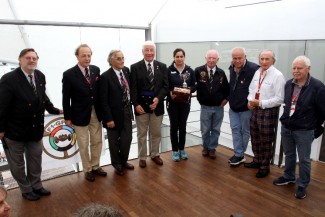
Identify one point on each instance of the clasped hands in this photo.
(153, 106)
(251, 105)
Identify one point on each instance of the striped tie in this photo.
(87, 76)
(32, 83)
(151, 76)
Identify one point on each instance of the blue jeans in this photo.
(211, 120)
(300, 140)
(239, 124)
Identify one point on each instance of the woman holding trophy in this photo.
(181, 84)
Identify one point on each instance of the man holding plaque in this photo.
(149, 87)
(212, 94)
(266, 94)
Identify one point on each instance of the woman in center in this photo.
(181, 77)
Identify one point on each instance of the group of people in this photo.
(92, 100)
(256, 94)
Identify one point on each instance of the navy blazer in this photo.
(140, 82)
(79, 97)
(21, 110)
(111, 97)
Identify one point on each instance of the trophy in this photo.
(182, 93)
(185, 76)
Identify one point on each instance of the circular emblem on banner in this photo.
(62, 139)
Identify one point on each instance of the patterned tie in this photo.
(87, 76)
(211, 76)
(211, 79)
(32, 83)
(151, 76)
(125, 87)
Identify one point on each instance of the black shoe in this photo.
(119, 170)
(31, 196)
(128, 166)
(99, 172)
(237, 160)
(262, 173)
(252, 164)
(42, 192)
(283, 181)
(300, 193)
(230, 159)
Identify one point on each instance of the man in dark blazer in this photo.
(117, 111)
(149, 87)
(23, 101)
(82, 110)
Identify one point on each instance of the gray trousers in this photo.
(32, 151)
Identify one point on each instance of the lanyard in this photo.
(260, 81)
(294, 98)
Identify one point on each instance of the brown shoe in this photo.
(142, 163)
(157, 160)
(89, 176)
(99, 172)
(205, 152)
(212, 154)
(128, 166)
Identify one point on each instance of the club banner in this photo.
(60, 146)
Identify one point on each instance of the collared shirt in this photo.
(82, 69)
(271, 90)
(28, 79)
(213, 70)
(151, 63)
(117, 72)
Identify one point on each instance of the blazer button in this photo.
(33, 125)
(34, 116)
(29, 104)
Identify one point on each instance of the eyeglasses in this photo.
(119, 58)
(31, 58)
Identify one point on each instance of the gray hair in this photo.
(305, 59)
(111, 55)
(98, 210)
(268, 50)
(148, 43)
(210, 51)
(239, 48)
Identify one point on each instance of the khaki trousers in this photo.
(152, 123)
(90, 152)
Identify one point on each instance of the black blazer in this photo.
(140, 81)
(111, 96)
(21, 111)
(79, 97)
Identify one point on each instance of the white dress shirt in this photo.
(272, 88)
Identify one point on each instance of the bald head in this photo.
(238, 57)
(212, 58)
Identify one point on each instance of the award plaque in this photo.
(182, 94)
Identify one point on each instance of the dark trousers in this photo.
(119, 141)
(262, 130)
(16, 153)
(178, 114)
